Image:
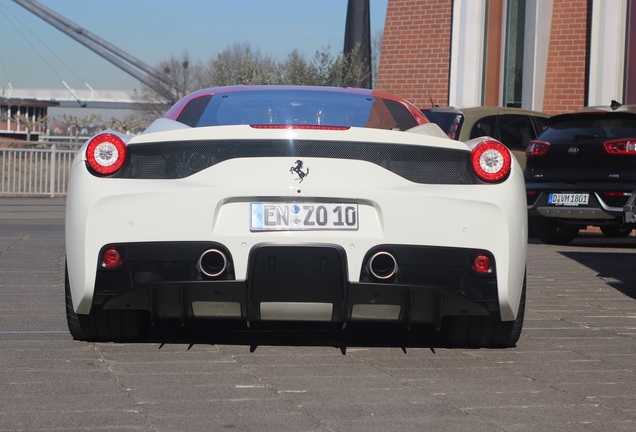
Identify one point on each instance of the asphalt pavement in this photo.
(32, 210)
(572, 370)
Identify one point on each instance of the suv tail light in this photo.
(617, 194)
(623, 146)
(106, 154)
(537, 148)
(491, 161)
(453, 132)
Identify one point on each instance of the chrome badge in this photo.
(573, 150)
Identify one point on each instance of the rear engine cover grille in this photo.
(419, 164)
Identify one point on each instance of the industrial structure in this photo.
(545, 55)
(23, 111)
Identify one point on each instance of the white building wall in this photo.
(535, 54)
(607, 51)
(467, 53)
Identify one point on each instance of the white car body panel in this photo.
(213, 205)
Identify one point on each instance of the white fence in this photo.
(38, 169)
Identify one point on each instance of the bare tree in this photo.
(376, 51)
(129, 125)
(297, 71)
(325, 69)
(325, 66)
(353, 73)
(76, 125)
(28, 122)
(179, 77)
(241, 64)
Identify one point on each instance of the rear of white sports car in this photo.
(277, 224)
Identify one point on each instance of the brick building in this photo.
(546, 55)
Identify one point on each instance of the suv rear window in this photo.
(593, 128)
(449, 122)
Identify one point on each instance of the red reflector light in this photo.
(106, 154)
(482, 264)
(491, 161)
(112, 258)
(537, 148)
(531, 193)
(623, 146)
(300, 126)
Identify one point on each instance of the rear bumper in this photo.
(600, 209)
(213, 208)
(629, 209)
(307, 282)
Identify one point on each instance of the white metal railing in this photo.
(35, 169)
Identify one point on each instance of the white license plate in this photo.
(568, 199)
(303, 216)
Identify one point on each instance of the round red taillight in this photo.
(491, 161)
(482, 264)
(106, 154)
(111, 258)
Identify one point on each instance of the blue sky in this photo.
(33, 54)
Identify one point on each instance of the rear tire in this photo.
(551, 231)
(616, 232)
(486, 331)
(103, 325)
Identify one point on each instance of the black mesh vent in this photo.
(172, 160)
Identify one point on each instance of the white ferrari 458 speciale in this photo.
(273, 205)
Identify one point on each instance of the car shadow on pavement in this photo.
(616, 269)
(358, 335)
(596, 240)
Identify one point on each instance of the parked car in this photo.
(581, 172)
(514, 127)
(271, 204)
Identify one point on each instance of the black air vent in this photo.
(173, 160)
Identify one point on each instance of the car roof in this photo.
(608, 108)
(614, 109)
(485, 110)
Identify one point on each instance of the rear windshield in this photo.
(592, 128)
(298, 107)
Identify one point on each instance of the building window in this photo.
(513, 62)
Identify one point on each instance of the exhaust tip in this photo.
(212, 263)
(383, 265)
